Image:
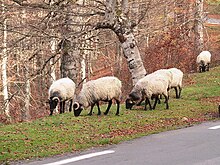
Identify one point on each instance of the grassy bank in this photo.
(66, 133)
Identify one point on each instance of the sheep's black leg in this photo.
(166, 101)
(147, 101)
(180, 90)
(176, 90)
(159, 97)
(90, 113)
(108, 108)
(62, 103)
(145, 104)
(63, 109)
(155, 103)
(207, 67)
(99, 111)
(71, 104)
(118, 106)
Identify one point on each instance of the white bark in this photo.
(83, 68)
(110, 11)
(26, 113)
(4, 65)
(27, 93)
(132, 54)
(199, 41)
(123, 29)
(52, 65)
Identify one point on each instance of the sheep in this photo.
(168, 74)
(148, 87)
(102, 89)
(203, 60)
(61, 91)
(176, 82)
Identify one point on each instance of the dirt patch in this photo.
(215, 99)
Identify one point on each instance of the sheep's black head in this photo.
(129, 103)
(202, 67)
(53, 104)
(77, 109)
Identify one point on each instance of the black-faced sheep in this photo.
(203, 60)
(61, 91)
(150, 86)
(102, 89)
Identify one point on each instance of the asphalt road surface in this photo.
(197, 145)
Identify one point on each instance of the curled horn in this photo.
(76, 105)
(54, 98)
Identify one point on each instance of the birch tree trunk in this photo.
(69, 49)
(4, 65)
(25, 112)
(124, 31)
(52, 64)
(25, 115)
(199, 42)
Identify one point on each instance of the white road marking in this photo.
(74, 159)
(215, 127)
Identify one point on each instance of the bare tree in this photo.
(123, 28)
(4, 64)
(199, 18)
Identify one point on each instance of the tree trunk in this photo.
(199, 42)
(4, 66)
(123, 29)
(25, 114)
(69, 61)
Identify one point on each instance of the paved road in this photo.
(197, 145)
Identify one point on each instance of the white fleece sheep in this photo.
(150, 86)
(177, 78)
(102, 89)
(204, 59)
(60, 91)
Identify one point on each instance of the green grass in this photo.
(65, 133)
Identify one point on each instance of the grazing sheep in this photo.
(149, 87)
(204, 59)
(102, 89)
(176, 83)
(169, 77)
(60, 91)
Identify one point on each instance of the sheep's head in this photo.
(53, 101)
(129, 103)
(132, 99)
(77, 108)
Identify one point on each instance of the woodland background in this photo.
(46, 40)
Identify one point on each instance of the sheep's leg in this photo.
(207, 67)
(147, 101)
(158, 99)
(166, 101)
(118, 106)
(155, 103)
(180, 90)
(108, 108)
(90, 113)
(99, 111)
(176, 90)
(71, 104)
(61, 107)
